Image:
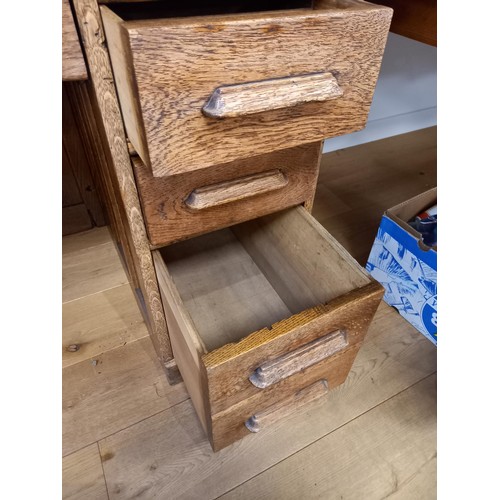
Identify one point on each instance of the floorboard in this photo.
(119, 323)
(83, 477)
(112, 391)
(92, 268)
(168, 456)
(86, 240)
(373, 456)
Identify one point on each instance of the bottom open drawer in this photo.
(263, 316)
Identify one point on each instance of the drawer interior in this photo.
(158, 10)
(238, 280)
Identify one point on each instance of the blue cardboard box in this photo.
(405, 266)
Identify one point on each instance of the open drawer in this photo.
(258, 314)
(204, 90)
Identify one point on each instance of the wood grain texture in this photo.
(91, 131)
(274, 370)
(186, 343)
(286, 407)
(232, 396)
(85, 241)
(120, 323)
(123, 73)
(90, 270)
(216, 296)
(232, 101)
(168, 456)
(96, 147)
(203, 7)
(222, 413)
(92, 33)
(129, 378)
(175, 76)
(415, 19)
(228, 425)
(82, 475)
(73, 64)
(238, 189)
(373, 456)
(304, 262)
(169, 219)
(220, 288)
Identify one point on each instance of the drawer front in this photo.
(258, 412)
(200, 91)
(178, 207)
(275, 360)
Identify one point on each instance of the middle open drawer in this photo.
(259, 311)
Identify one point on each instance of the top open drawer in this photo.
(199, 91)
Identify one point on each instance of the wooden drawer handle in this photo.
(287, 406)
(277, 369)
(227, 192)
(229, 101)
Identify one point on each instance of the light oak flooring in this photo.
(128, 434)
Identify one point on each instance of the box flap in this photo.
(408, 209)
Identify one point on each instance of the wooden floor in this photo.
(128, 434)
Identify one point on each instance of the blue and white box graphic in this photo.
(406, 268)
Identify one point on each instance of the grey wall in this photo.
(405, 96)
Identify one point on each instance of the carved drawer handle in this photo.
(273, 371)
(238, 189)
(229, 101)
(286, 407)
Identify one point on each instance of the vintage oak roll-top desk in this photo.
(213, 115)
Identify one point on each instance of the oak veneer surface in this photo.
(165, 453)
(173, 205)
(73, 64)
(167, 76)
